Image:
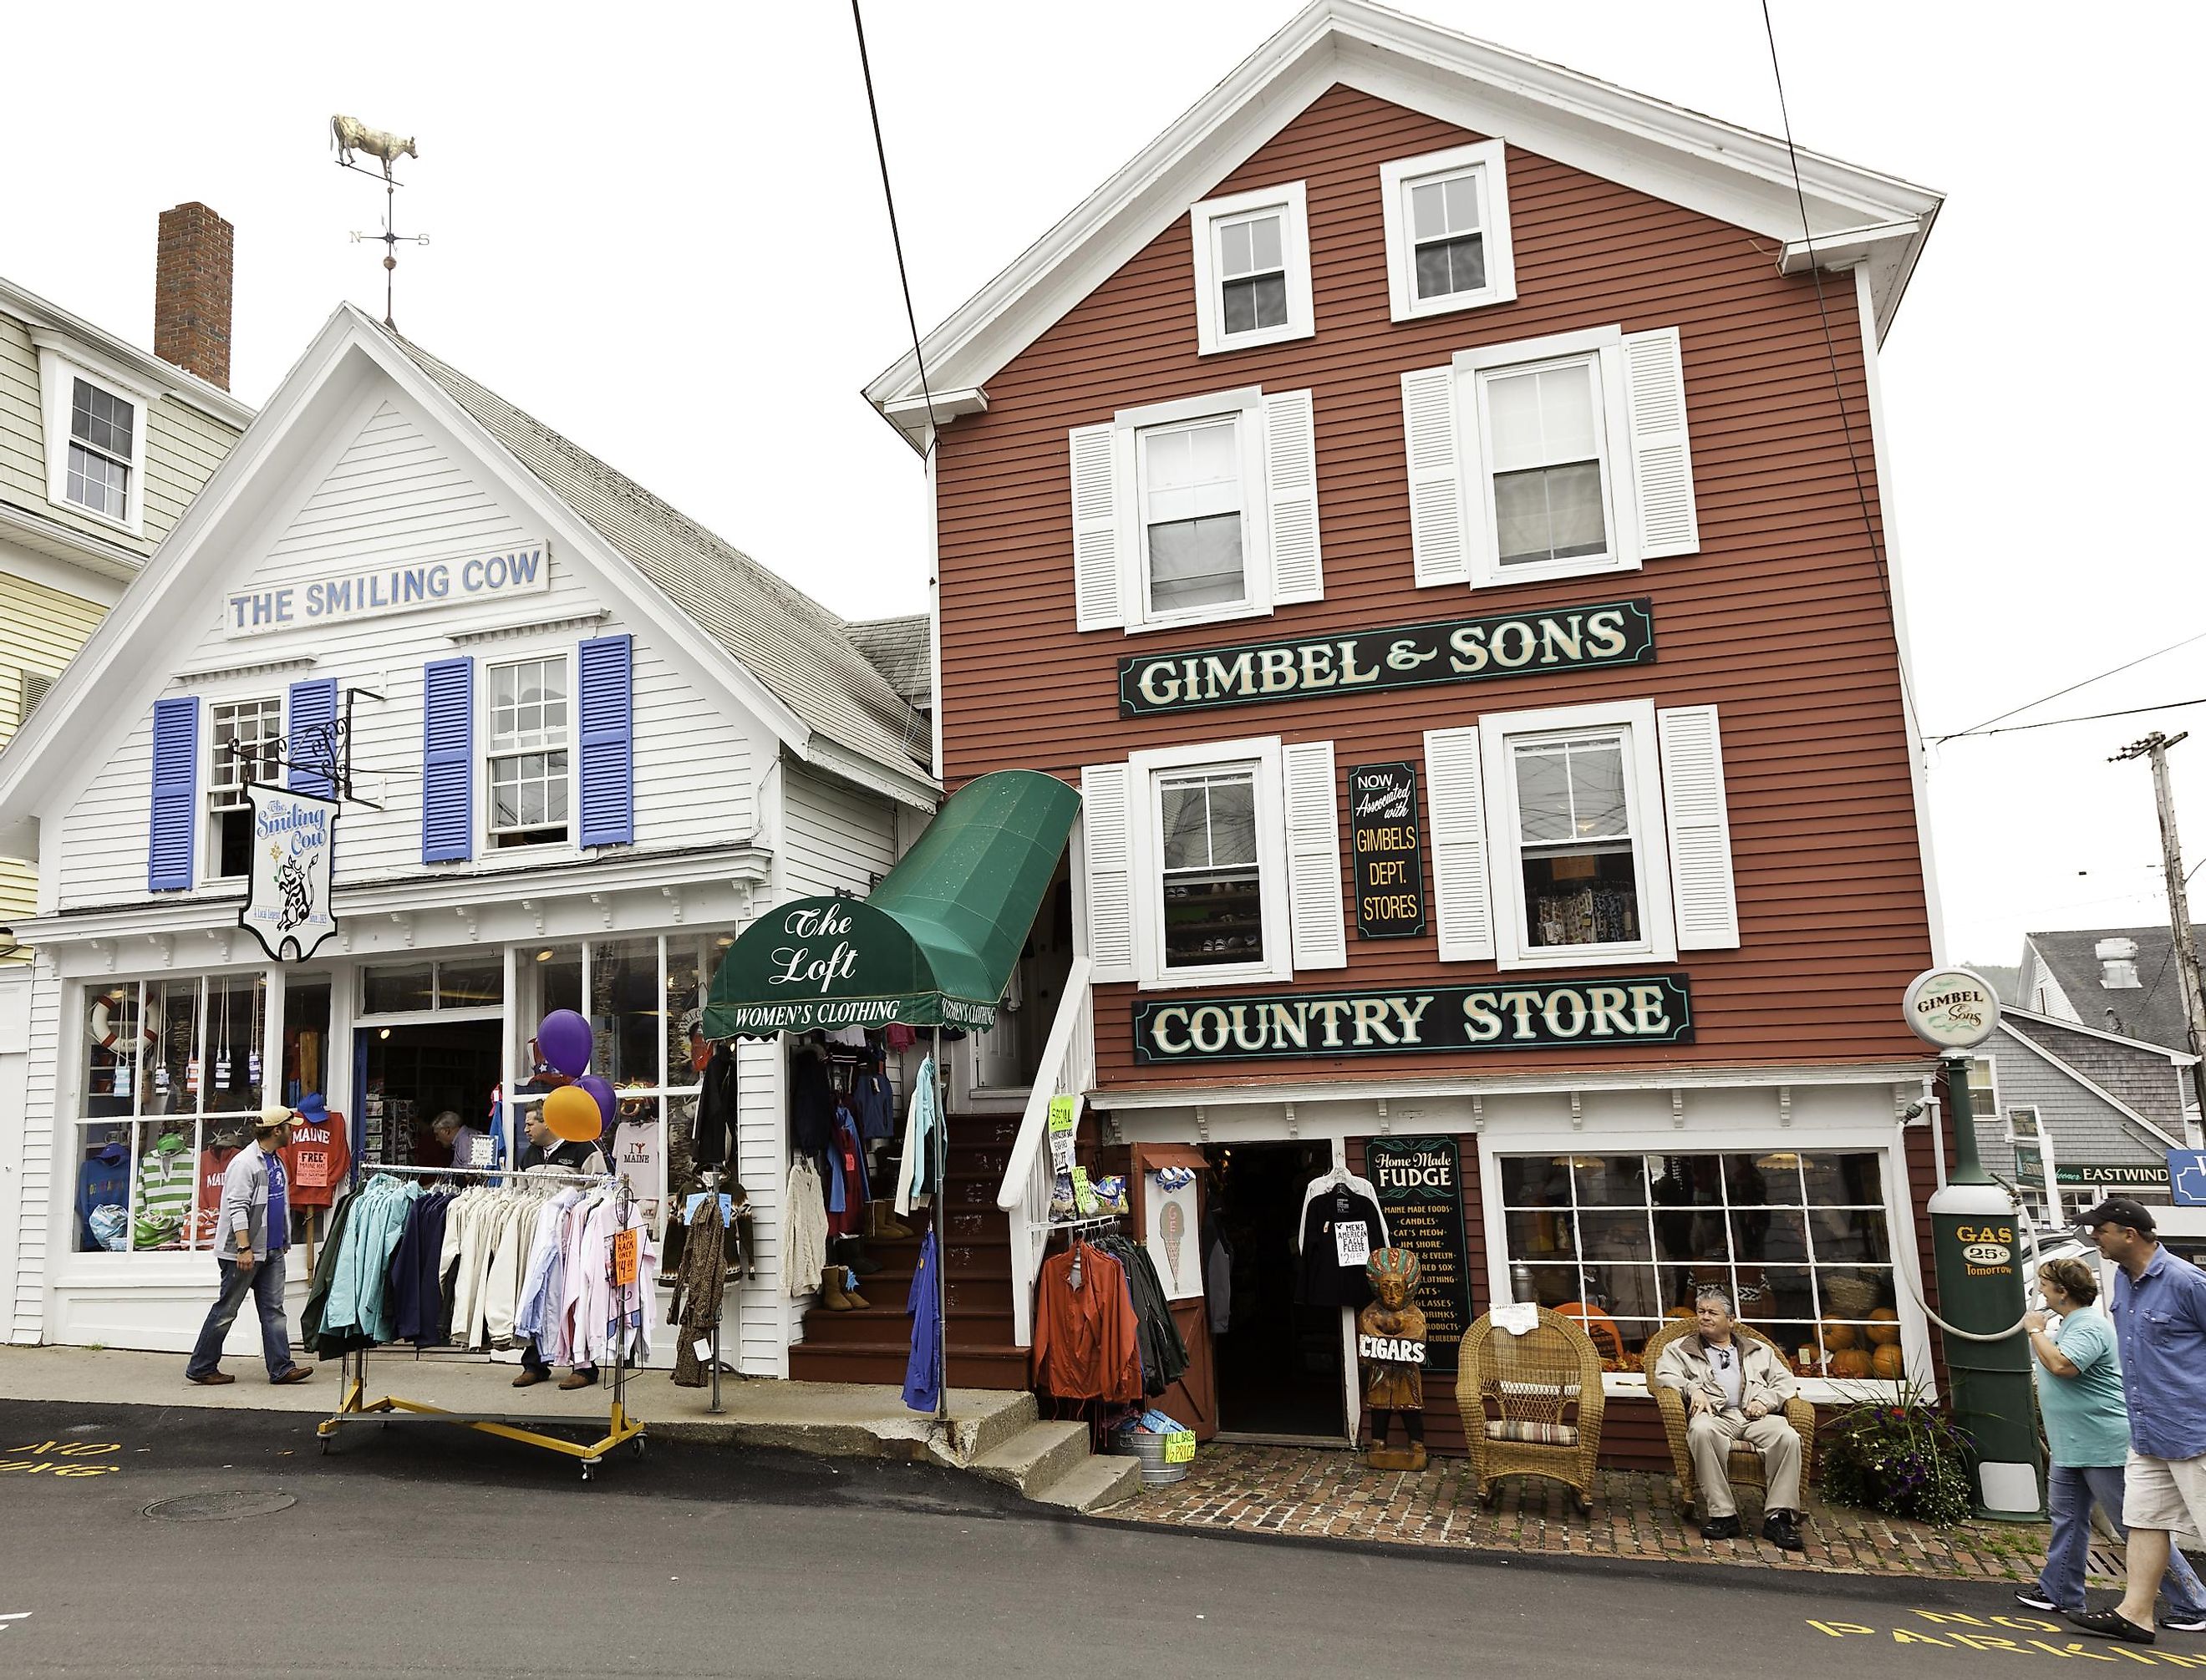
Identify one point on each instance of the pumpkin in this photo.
(1679, 1313)
(1884, 1328)
(1888, 1361)
(1837, 1336)
(1852, 1362)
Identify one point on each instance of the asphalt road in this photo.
(434, 1550)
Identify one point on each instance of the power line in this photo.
(1831, 350)
(2055, 723)
(2042, 699)
(903, 278)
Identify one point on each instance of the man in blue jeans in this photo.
(256, 1218)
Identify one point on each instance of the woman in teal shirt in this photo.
(2079, 1395)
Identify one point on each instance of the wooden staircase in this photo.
(873, 1344)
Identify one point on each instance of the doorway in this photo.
(1278, 1361)
(413, 1071)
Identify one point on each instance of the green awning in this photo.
(935, 942)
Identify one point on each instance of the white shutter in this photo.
(1701, 889)
(1661, 458)
(1106, 849)
(1098, 604)
(1290, 487)
(1462, 908)
(1437, 539)
(1321, 929)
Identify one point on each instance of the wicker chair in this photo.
(1745, 1467)
(1531, 1404)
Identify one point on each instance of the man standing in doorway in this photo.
(2159, 1323)
(455, 1134)
(255, 1223)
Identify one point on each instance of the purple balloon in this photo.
(563, 1040)
(603, 1091)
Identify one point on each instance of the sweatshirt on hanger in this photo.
(1342, 1228)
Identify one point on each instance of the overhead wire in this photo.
(2130, 664)
(1838, 380)
(896, 237)
(2055, 723)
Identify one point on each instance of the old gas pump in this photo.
(1975, 1229)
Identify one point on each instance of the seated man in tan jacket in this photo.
(1735, 1389)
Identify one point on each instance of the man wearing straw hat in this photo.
(255, 1222)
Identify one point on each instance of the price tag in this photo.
(702, 1347)
(1351, 1242)
(1083, 1197)
(1061, 1122)
(479, 1149)
(624, 1258)
(1179, 1447)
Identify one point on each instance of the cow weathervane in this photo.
(350, 135)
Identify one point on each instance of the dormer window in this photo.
(1252, 275)
(1447, 231)
(102, 430)
(95, 431)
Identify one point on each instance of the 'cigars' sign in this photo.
(1408, 655)
(1533, 1014)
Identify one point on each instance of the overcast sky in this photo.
(660, 228)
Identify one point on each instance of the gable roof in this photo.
(1734, 174)
(901, 650)
(793, 645)
(2151, 1011)
(779, 654)
(2011, 1034)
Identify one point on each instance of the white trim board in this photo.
(1723, 170)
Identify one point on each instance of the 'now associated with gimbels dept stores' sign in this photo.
(1537, 1015)
(1407, 656)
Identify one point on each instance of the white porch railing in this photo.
(1067, 1070)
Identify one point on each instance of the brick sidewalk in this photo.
(1319, 1493)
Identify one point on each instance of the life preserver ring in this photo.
(104, 1031)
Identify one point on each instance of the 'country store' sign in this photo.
(1408, 655)
(1653, 1009)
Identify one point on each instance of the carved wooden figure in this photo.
(1390, 1342)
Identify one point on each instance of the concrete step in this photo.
(1096, 1481)
(1039, 1455)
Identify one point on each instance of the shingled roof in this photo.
(901, 651)
(798, 649)
(2151, 1010)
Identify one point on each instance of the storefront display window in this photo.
(172, 1075)
(1801, 1241)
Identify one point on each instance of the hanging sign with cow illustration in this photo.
(287, 901)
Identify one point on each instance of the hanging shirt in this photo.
(1085, 1341)
(104, 1181)
(165, 1194)
(637, 1153)
(206, 1223)
(876, 1105)
(921, 1122)
(1341, 1227)
(922, 1377)
(316, 1160)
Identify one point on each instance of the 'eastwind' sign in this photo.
(375, 592)
(1409, 656)
(1651, 1009)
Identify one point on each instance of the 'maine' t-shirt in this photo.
(316, 1160)
(2086, 1420)
(637, 1153)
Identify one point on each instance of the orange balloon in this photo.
(572, 1113)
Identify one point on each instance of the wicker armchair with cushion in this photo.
(1745, 1462)
(1531, 1404)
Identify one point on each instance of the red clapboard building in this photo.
(1432, 504)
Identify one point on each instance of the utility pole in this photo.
(2155, 747)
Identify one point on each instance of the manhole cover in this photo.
(218, 1507)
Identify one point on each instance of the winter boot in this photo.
(851, 1290)
(854, 1256)
(831, 1295)
(881, 1222)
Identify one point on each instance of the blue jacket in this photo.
(102, 1181)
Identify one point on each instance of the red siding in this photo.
(1782, 619)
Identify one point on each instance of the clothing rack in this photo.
(1054, 1225)
(621, 1425)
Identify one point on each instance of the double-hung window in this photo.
(246, 736)
(1213, 863)
(1581, 836)
(1551, 457)
(95, 429)
(1198, 509)
(1447, 231)
(1252, 272)
(528, 751)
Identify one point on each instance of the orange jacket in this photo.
(1084, 1346)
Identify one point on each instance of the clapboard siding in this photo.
(183, 447)
(29, 1231)
(394, 497)
(835, 838)
(762, 1164)
(40, 629)
(1781, 620)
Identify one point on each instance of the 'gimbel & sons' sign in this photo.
(1409, 656)
(1653, 1009)
(375, 591)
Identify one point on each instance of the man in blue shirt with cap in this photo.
(2160, 1322)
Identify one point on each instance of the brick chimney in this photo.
(191, 292)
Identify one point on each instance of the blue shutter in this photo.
(448, 760)
(174, 826)
(608, 723)
(309, 720)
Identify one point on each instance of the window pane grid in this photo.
(1252, 269)
(1810, 1269)
(529, 705)
(1211, 882)
(1191, 508)
(246, 733)
(1448, 243)
(1545, 423)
